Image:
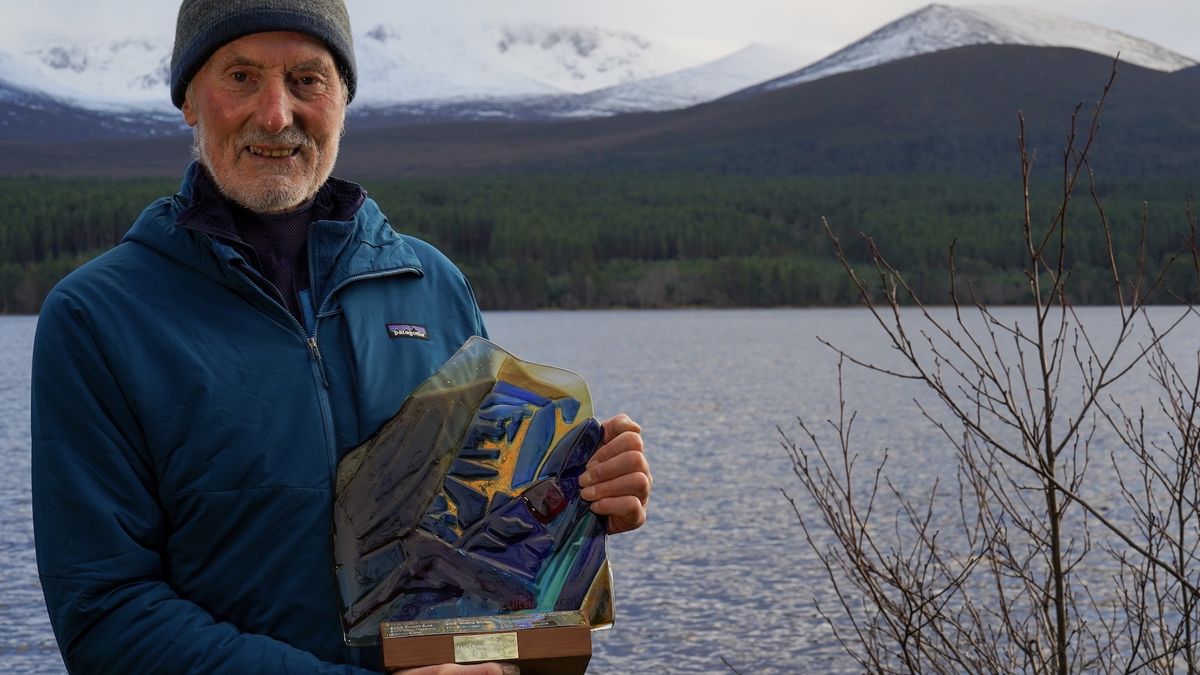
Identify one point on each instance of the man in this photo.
(195, 386)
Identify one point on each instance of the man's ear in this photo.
(189, 113)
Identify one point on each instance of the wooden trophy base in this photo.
(540, 647)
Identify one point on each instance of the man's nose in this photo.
(274, 109)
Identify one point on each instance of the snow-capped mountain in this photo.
(936, 28)
(687, 87)
(123, 74)
(397, 66)
(532, 71)
(506, 62)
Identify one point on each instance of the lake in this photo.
(721, 571)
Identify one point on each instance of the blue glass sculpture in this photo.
(466, 503)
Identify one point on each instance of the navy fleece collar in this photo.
(208, 210)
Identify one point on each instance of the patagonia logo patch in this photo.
(407, 330)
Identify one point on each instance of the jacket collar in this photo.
(208, 210)
(196, 228)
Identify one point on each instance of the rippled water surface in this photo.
(26, 643)
(721, 570)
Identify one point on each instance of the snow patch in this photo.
(691, 86)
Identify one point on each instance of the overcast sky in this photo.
(819, 27)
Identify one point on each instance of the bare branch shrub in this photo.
(1066, 539)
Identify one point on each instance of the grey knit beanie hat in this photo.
(204, 26)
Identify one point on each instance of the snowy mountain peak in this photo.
(583, 41)
(448, 62)
(115, 75)
(504, 61)
(939, 27)
(690, 86)
(533, 70)
(144, 64)
(575, 59)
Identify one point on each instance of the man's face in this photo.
(268, 111)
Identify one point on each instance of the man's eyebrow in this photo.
(321, 66)
(312, 65)
(236, 60)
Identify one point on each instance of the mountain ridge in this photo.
(397, 66)
(901, 117)
(938, 27)
(539, 72)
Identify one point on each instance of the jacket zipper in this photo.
(314, 348)
(326, 409)
(316, 352)
(316, 363)
(361, 277)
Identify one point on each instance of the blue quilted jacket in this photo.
(186, 430)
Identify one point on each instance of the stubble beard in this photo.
(271, 194)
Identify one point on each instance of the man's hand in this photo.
(474, 669)
(617, 480)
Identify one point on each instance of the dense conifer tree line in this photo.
(659, 239)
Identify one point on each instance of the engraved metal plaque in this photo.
(483, 624)
(487, 647)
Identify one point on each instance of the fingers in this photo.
(618, 480)
(617, 425)
(474, 669)
(626, 441)
(627, 474)
(622, 500)
(624, 513)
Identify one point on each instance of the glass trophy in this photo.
(459, 532)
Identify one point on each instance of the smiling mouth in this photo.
(272, 153)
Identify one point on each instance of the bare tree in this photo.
(1033, 572)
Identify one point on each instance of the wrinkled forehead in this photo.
(277, 50)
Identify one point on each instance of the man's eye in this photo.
(240, 76)
(307, 80)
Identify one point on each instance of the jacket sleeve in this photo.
(477, 317)
(100, 531)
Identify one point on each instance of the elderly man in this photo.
(195, 387)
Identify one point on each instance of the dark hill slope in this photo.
(30, 118)
(27, 117)
(953, 111)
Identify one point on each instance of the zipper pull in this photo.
(316, 352)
